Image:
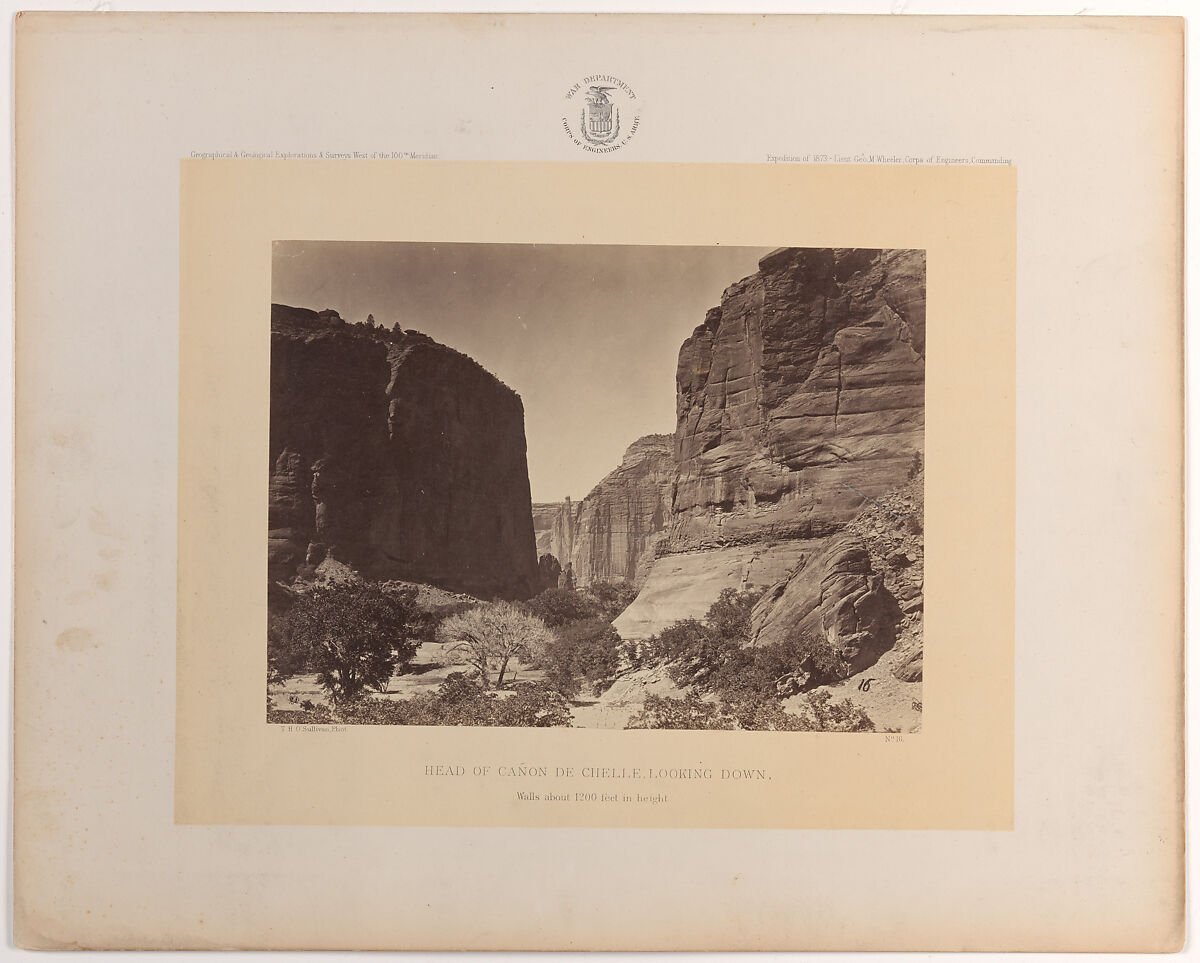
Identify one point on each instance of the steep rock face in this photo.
(799, 402)
(622, 519)
(554, 529)
(892, 531)
(544, 516)
(800, 396)
(397, 456)
(613, 532)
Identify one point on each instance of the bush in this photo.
(729, 615)
(698, 650)
(693, 651)
(586, 651)
(822, 714)
(351, 634)
(763, 713)
(611, 597)
(690, 712)
(559, 606)
(818, 713)
(459, 701)
(426, 621)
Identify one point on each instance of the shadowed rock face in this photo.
(397, 456)
(613, 532)
(800, 396)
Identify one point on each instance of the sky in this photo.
(588, 335)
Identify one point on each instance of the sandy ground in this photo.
(889, 702)
(428, 670)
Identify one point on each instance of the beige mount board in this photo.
(154, 806)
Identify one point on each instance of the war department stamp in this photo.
(608, 113)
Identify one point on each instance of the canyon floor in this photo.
(428, 670)
(892, 705)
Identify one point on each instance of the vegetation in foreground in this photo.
(357, 636)
(732, 685)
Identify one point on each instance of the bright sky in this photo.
(588, 335)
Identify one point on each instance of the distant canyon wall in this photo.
(614, 531)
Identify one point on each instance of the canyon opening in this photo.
(602, 486)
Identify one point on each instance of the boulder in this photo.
(910, 667)
(833, 596)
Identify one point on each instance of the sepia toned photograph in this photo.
(597, 486)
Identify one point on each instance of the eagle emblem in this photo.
(600, 119)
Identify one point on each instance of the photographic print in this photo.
(600, 486)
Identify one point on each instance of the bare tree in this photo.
(487, 637)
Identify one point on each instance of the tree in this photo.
(352, 634)
(612, 596)
(729, 615)
(560, 606)
(370, 320)
(588, 650)
(487, 638)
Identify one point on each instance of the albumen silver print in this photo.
(711, 517)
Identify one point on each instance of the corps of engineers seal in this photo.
(602, 113)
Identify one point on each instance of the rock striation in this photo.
(396, 456)
(614, 531)
(800, 396)
(554, 529)
(836, 596)
(800, 403)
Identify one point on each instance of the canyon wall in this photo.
(614, 531)
(396, 455)
(800, 403)
(801, 396)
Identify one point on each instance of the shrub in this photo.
(758, 671)
(729, 615)
(762, 713)
(611, 597)
(426, 621)
(824, 715)
(698, 650)
(284, 658)
(586, 650)
(559, 606)
(458, 702)
(351, 634)
(817, 714)
(595, 649)
(690, 712)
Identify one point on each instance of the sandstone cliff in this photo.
(800, 397)
(396, 455)
(614, 531)
(800, 403)
(554, 529)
